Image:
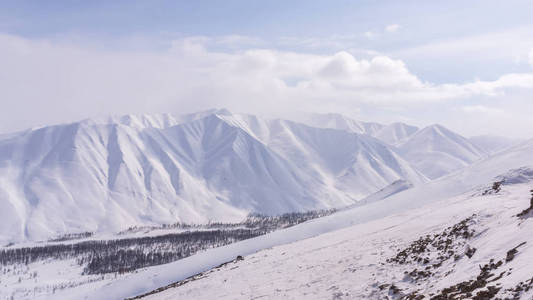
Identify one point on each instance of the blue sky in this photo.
(422, 22)
(438, 49)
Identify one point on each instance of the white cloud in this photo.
(392, 28)
(505, 118)
(531, 57)
(44, 82)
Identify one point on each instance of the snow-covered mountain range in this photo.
(433, 150)
(108, 174)
(391, 134)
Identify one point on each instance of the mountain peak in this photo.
(435, 151)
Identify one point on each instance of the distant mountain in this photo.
(112, 173)
(433, 150)
(437, 151)
(391, 134)
(493, 144)
(395, 133)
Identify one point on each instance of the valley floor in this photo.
(366, 261)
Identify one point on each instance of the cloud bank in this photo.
(45, 82)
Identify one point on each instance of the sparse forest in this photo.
(128, 254)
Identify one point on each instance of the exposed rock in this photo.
(511, 253)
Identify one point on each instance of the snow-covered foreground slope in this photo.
(107, 175)
(410, 214)
(437, 151)
(355, 261)
(434, 250)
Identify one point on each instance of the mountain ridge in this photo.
(108, 175)
(437, 151)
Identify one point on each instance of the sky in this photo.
(465, 64)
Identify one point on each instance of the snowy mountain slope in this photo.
(83, 177)
(249, 174)
(349, 157)
(351, 162)
(110, 174)
(454, 191)
(437, 151)
(395, 133)
(493, 144)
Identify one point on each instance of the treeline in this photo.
(128, 254)
(253, 220)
